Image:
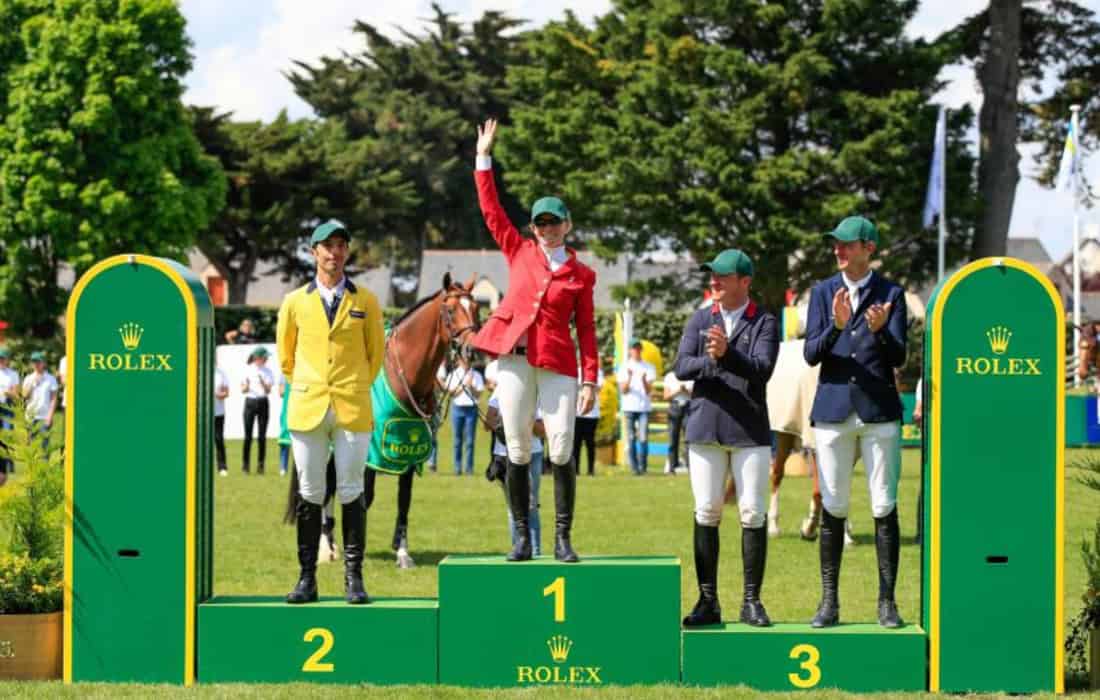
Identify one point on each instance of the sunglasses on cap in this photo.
(547, 221)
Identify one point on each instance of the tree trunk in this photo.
(237, 278)
(998, 170)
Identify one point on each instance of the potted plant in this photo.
(1083, 640)
(31, 572)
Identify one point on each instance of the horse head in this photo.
(459, 313)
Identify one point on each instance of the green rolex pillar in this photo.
(993, 478)
(140, 348)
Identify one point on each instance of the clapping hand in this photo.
(485, 136)
(842, 308)
(877, 315)
(717, 343)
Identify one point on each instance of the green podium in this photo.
(993, 475)
(786, 656)
(605, 620)
(263, 640)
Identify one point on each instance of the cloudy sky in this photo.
(242, 49)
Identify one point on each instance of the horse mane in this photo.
(412, 309)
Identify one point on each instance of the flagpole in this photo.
(1076, 109)
(943, 202)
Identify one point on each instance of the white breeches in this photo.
(311, 451)
(520, 389)
(879, 445)
(750, 467)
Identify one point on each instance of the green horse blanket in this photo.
(400, 439)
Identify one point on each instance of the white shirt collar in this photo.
(856, 284)
(555, 257)
(328, 294)
(732, 316)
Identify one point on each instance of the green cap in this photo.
(729, 262)
(550, 205)
(38, 356)
(332, 227)
(259, 352)
(854, 228)
(4, 354)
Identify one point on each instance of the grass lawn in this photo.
(617, 513)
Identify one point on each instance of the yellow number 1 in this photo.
(557, 589)
(313, 663)
(813, 672)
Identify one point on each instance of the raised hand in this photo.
(486, 134)
(717, 343)
(842, 308)
(877, 315)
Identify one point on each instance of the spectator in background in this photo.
(635, 379)
(62, 367)
(9, 388)
(221, 392)
(678, 395)
(256, 386)
(464, 384)
(584, 429)
(40, 391)
(244, 334)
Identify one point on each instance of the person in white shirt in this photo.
(40, 391)
(256, 386)
(500, 455)
(635, 379)
(221, 392)
(464, 384)
(9, 388)
(678, 395)
(584, 428)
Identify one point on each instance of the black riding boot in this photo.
(887, 544)
(518, 482)
(754, 557)
(707, 611)
(308, 517)
(831, 550)
(565, 500)
(353, 521)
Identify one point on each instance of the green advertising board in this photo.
(137, 470)
(993, 471)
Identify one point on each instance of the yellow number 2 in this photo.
(809, 665)
(557, 589)
(313, 663)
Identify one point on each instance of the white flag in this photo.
(933, 198)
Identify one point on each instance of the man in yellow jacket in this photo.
(330, 343)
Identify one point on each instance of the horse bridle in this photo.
(455, 346)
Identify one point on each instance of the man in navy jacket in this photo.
(856, 330)
(728, 349)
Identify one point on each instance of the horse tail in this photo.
(330, 478)
(290, 517)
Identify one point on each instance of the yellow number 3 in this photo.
(809, 665)
(313, 663)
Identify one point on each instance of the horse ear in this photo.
(446, 281)
(470, 284)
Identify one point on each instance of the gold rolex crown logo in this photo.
(131, 335)
(559, 647)
(414, 436)
(998, 339)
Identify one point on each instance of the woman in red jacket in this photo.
(549, 290)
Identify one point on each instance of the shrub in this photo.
(29, 585)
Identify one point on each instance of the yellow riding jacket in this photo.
(330, 365)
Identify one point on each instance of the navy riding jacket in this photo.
(729, 402)
(857, 366)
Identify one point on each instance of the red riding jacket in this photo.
(539, 302)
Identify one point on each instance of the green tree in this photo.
(702, 124)
(96, 152)
(412, 104)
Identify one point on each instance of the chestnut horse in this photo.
(435, 329)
